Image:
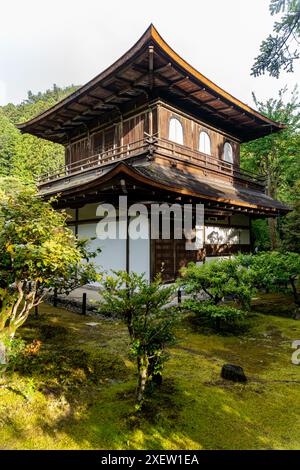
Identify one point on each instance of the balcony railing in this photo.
(164, 148)
(111, 155)
(207, 162)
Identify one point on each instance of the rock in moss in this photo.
(233, 373)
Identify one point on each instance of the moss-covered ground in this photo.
(77, 390)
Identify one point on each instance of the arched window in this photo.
(175, 131)
(204, 143)
(228, 153)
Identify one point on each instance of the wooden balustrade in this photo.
(165, 148)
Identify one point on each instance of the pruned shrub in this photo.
(218, 279)
(273, 271)
(218, 316)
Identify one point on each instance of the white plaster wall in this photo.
(220, 235)
(229, 235)
(139, 250)
(113, 252)
(209, 259)
(245, 237)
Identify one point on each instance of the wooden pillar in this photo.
(151, 249)
(158, 119)
(121, 133)
(127, 242)
(150, 117)
(251, 236)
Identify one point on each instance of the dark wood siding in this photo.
(191, 132)
(123, 132)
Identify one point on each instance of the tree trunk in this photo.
(143, 377)
(271, 191)
(273, 233)
(218, 323)
(295, 293)
(3, 354)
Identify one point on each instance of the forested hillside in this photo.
(26, 156)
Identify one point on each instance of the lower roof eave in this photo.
(175, 182)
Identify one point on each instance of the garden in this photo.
(143, 372)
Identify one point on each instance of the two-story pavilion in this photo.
(152, 127)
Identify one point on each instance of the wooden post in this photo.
(127, 242)
(179, 294)
(76, 221)
(83, 304)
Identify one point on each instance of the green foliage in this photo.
(276, 156)
(13, 349)
(141, 305)
(217, 280)
(27, 156)
(290, 225)
(219, 316)
(261, 234)
(38, 253)
(9, 139)
(273, 270)
(72, 410)
(280, 50)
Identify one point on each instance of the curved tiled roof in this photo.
(151, 66)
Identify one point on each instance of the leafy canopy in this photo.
(27, 156)
(290, 225)
(281, 49)
(273, 270)
(276, 156)
(38, 253)
(217, 280)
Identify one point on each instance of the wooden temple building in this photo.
(153, 128)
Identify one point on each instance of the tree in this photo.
(280, 50)
(217, 280)
(277, 155)
(150, 326)
(260, 234)
(27, 156)
(38, 253)
(273, 271)
(9, 137)
(290, 225)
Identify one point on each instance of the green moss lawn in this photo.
(77, 391)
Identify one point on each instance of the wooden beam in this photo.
(151, 66)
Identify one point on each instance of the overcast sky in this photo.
(71, 41)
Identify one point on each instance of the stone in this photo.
(233, 373)
(297, 314)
